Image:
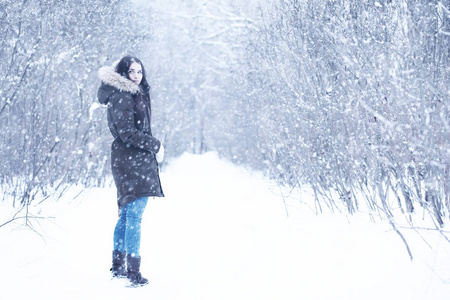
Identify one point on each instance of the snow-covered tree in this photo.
(355, 97)
(50, 52)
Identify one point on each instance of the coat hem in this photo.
(130, 198)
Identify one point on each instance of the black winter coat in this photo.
(133, 162)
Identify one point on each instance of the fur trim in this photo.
(110, 77)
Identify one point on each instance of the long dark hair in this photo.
(124, 65)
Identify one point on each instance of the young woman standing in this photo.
(135, 155)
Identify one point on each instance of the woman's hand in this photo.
(160, 154)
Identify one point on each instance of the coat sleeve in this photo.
(122, 112)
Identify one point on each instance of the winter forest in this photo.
(349, 98)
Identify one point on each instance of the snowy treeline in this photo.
(357, 96)
(355, 100)
(50, 52)
(349, 97)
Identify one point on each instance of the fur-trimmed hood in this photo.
(113, 81)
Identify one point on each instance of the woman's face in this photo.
(135, 72)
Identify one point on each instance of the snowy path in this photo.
(221, 233)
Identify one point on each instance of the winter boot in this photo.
(118, 267)
(133, 274)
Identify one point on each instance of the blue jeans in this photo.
(127, 234)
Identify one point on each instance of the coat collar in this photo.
(112, 78)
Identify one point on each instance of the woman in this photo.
(135, 155)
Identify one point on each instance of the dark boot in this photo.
(133, 274)
(118, 264)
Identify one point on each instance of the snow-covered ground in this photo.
(221, 232)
